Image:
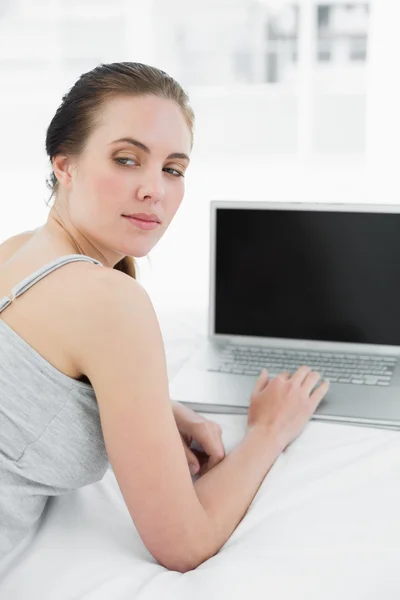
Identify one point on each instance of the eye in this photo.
(120, 160)
(173, 172)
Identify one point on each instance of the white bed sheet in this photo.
(325, 523)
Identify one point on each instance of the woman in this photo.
(83, 372)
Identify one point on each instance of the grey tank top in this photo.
(51, 440)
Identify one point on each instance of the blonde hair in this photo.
(76, 116)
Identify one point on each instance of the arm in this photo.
(121, 351)
(227, 490)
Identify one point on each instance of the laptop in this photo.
(296, 284)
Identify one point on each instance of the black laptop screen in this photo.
(315, 275)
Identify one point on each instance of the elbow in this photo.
(183, 564)
(186, 548)
(187, 559)
(178, 566)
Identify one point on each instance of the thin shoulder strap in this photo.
(37, 275)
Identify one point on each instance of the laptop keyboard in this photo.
(359, 369)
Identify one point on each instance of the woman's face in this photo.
(133, 163)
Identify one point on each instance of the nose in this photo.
(151, 186)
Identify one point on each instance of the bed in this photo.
(324, 524)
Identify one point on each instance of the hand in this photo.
(207, 434)
(283, 406)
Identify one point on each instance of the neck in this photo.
(60, 227)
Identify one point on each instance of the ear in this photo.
(62, 168)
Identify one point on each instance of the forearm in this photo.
(227, 491)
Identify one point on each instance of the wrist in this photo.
(267, 438)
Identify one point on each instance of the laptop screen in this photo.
(314, 275)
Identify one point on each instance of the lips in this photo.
(144, 217)
(143, 224)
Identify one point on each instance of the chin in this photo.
(139, 254)
(140, 245)
(138, 251)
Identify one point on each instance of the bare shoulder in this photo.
(112, 310)
(11, 245)
(109, 292)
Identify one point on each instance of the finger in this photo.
(206, 465)
(319, 393)
(202, 457)
(193, 461)
(301, 374)
(214, 459)
(261, 381)
(186, 438)
(310, 381)
(284, 375)
(210, 438)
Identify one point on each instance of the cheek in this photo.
(107, 189)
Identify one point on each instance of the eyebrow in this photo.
(143, 147)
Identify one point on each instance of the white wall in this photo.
(383, 105)
(245, 145)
